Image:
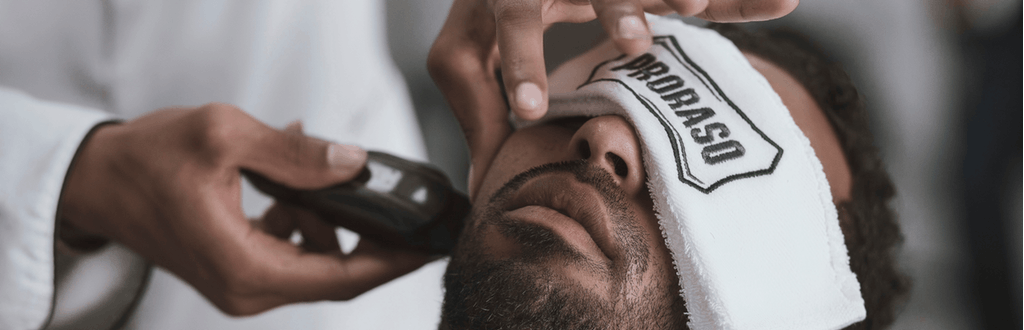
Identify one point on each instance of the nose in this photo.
(610, 143)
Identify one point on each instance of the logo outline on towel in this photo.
(669, 43)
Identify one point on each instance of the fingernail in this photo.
(631, 27)
(340, 156)
(528, 96)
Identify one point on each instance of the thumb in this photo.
(302, 162)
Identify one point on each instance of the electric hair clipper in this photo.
(395, 201)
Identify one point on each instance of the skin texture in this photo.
(482, 36)
(167, 185)
(559, 255)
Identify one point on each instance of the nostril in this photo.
(584, 149)
(620, 165)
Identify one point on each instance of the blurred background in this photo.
(940, 79)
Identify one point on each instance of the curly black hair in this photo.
(867, 220)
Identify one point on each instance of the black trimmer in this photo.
(395, 201)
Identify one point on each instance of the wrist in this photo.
(77, 239)
(72, 228)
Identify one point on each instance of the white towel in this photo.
(742, 200)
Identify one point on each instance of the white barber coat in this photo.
(67, 65)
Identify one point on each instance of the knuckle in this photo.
(709, 15)
(443, 60)
(219, 111)
(448, 67)
(216, 130)
(438, 60)
(298, 149)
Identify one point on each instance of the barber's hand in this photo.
(167, 185)
(481, 35)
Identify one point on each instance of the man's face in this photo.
(566, 230)
(564, 235)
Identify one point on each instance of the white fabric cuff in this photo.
(38, 140)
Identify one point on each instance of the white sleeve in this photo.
(38, 139)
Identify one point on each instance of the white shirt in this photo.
(68, 65)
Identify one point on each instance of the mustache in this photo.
(583, 172)
(538, 243)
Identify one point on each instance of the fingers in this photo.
(233, 138)
(281, 220)
(317, 271)
(300, 161)
(461, 63)
(725, 11)
(294, 127)
(624, 22)
(520, 34)
(297, 276)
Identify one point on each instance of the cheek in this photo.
(661, 274)
(525, 149)
(661, 279)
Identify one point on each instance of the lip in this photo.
(559, 202)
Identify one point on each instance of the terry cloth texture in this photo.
(742, 199)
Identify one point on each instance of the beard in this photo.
(484, 294)
(523, 292)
